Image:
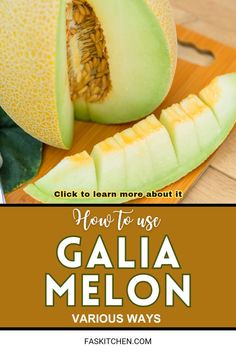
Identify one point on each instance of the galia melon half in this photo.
(150, 155)
(109, 61)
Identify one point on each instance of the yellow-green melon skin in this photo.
(164, 14)
(34, 87)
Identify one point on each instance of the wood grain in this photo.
(225, 160)
(182, 17)
(226, 36)
(215, 184)
(190, 78)
(218, 13)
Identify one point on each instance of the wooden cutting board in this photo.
(190, 78)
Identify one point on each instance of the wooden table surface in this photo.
(215, 19)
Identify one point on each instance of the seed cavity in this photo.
(88, 64)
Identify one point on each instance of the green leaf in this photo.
(22, 154)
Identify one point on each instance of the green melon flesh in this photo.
(138, 166)
(139, 60)
(206, 124)
(80, 176)
(109, 158)
(183, 134)
(220, 96)
(64, 105)
(143, 157)
(161, 150)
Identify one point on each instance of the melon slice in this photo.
(149, 156)
(138, 164)
(105, 61)
(109, 158)
(183, 135)
(206, 124)
(220, 96)
(73, 174)
(160, 148)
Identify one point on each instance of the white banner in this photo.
(92, 342)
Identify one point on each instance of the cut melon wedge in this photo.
(109, 157)
(149, 156)
(80, 176)
(138, 164)
(105, 61)
(220, 96)
(183, 135)
(161, 151)
(206, 124)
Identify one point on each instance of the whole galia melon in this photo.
(109, 61)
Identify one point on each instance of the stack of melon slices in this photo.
(150, 155)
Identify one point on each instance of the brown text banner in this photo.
(117, 266)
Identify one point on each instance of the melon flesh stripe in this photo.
(203, 152)
(217, 121)
(172, 139)
(214, 113)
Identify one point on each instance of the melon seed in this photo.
(94, 82)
